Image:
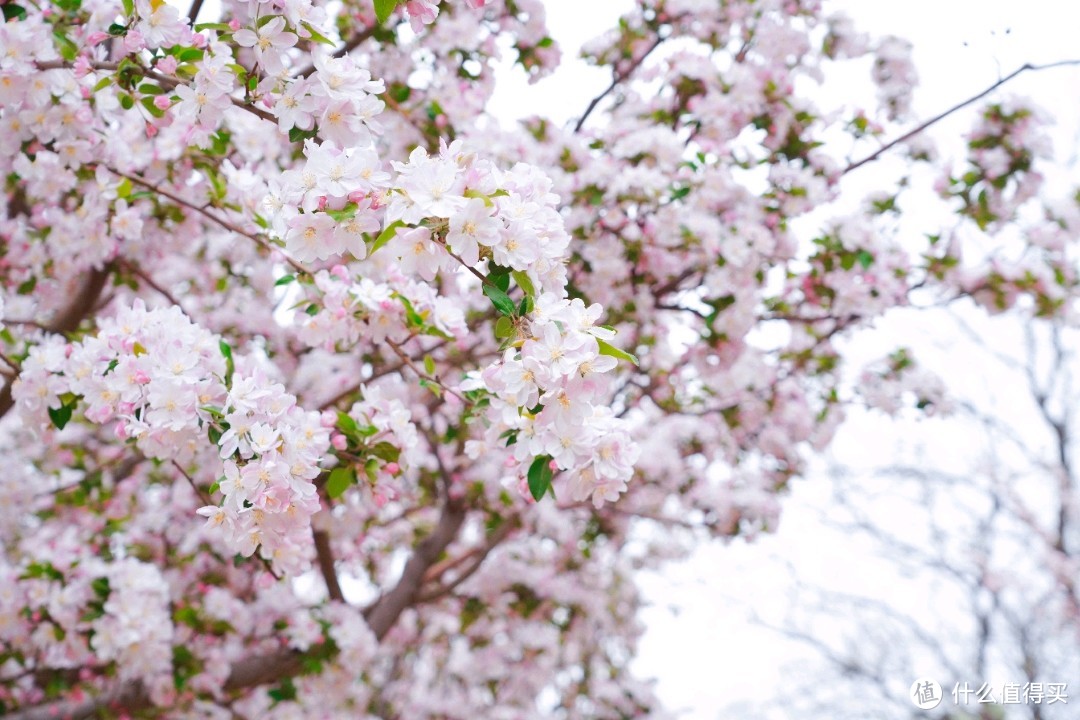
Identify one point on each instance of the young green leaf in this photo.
(385, 236)
(61, 415)
(608, 349)
(383, 9)
(523, 282)
(499, 299)
(540, 476)
(339, 481)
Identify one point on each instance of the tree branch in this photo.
(942, 115)
(325, 557)
(618, 79)
(385, 612)
(68, 320)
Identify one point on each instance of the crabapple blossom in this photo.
(325, 394)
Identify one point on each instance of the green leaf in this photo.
(429, 364)
(284, 280)
(68, 50)
(14, 12)
(385, 236)
(298, 135)
(523, 282)
(540, 477)
(123, 189)
(230, 366)
(117, 30)
(608, 349)
(60, 416)
(318, 36)
(148, 103)
(386, 451)
(347, 425)
(504, 328)
(499, 299)
(346, 213)
(865, 259)
(383, 9)
(500, 277)
(340, 480)
(220, 27)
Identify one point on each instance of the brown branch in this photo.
(325, 556)
(619, 78)
(942, 115)
(230, 226)
(385, 612)
(477, 556)
(421, 374)
(68, 320)
(153, 75)
(354, 42)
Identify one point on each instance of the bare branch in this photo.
(959, 106)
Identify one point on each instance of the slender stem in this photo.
(942, 115)
(619, 78)
(139, 273)
(154, 75)
(354, 42)
(421, 374)
(263, 242)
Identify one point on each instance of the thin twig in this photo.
(942, 115)
(354, 42)
(619, 78)
(154, 75)
(421, 374)
(261, 241)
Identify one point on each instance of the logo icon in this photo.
(925, 694)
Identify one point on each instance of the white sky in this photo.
(700, 645)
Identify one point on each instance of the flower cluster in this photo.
(548, 402)
(134, 628)
(153, 371)
(166, 382)
(271, 449)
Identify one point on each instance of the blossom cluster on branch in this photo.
(325, 393)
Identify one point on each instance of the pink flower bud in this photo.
(96, 38)
(235, 25)
(166, 65)
(341, 271)
(339, 441)
(198, 40)
(162, 102)
(133, 42)
(322, 202)
(151, 130)
(392, 468)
